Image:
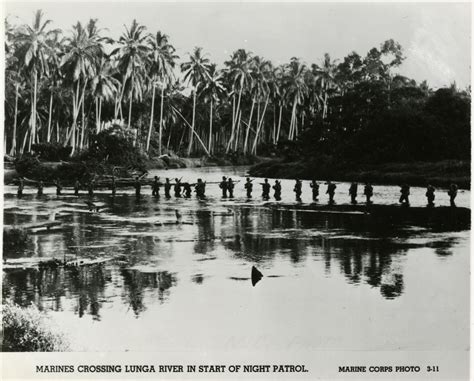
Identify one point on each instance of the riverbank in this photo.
(439, 174)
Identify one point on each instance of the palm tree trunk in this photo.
(191, 127)
(13, 149)
(57, 132)
(33, 137)
(254, 148)
(151, 122)
(234, 121)
(209, 148)
(83, 127)
(130, 108)
(50, 117)
(248, 126)
(279, 125)
(161, 117)
(191, 134)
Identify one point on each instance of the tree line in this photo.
(65, 88)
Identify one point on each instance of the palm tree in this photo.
(79, 63)
(34, 46)
(104, 86)
(162, 61)
(196, 71)
(326, 76)
(239, 72)
(295, 90)
(132, 58)
(213, 91)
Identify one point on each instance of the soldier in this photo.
(177, 187)
(265, 189)
(330, 191)
(90, 187)
(167, 188)
(405, 192)
(277, 189)
(40, 188)
(155, 187)
(138, 186)
(58, 187)
(224, 186)
(353, 192)
(430, 195)
(21, 186)
(297, 190)
(200, 189)
(452, 192)
(248, 186)
(315, 187)
(230, 188)
(187, 190)
(113, 186)
(77, 186)
(368, 192)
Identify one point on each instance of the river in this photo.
(330, 283)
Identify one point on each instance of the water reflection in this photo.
(151, 254)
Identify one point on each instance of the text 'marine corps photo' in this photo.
(251, 190)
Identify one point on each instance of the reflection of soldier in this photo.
(200, 189)
(167, 188)
(113, 186)
(405, 192)
(265, 189)
(297, 189)
(248, 186)
(230, 188)
(223, 185)
(90, 187)
(353, 192)
(177, 188)
(138, 187)
(368, 192)
(277, 188)
(315, 187)
(59, 188)
(452, 192)
(187, 190)
(155, 187)
(21, 186)
(40, 188)
(330, 191)
(77, 186)
(430, 195)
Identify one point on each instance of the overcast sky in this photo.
(435, 36)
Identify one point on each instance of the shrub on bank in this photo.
(29, 330)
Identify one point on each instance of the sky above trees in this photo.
(435, 36)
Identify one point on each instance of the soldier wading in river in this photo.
(330, 191)
(277, 189)
(230, 188)
(167, 188)
(315, 189)
(224, 185)
(297, 190)
(265, 189)
(155, 187)
(368, 192)
(200, 189)
(353, 192)
(405, 192)
(430, 196)
(248, 187)
(452, 192)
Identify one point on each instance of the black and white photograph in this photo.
(223, 190)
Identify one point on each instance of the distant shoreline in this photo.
(439, 173)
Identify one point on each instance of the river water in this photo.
(330, 282)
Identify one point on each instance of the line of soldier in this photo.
(184, 189)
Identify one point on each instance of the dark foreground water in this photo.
(330, 281)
